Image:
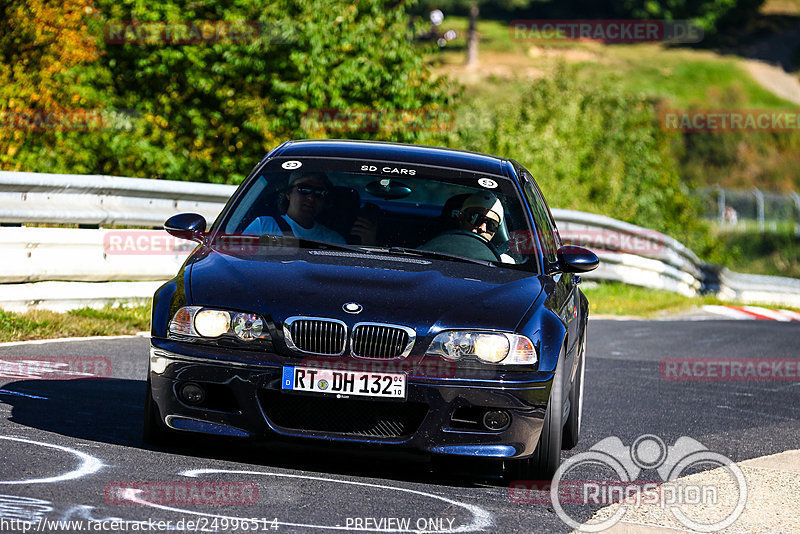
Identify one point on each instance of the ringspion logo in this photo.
(697, 505)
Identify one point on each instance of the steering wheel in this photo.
(471, 245)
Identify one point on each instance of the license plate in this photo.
(344, 383)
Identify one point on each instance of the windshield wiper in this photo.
(314, 244)
(431, 254)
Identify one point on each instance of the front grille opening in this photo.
(317, 336)
(379, 341)
(353, 417)
(467, 418)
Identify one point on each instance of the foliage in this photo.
(43, 44)
(209, 110)
(773, 253)
(739, 159)
(711, 15)
(591, 148)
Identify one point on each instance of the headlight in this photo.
(212, 323)
(488, 347)
(248, 326)
(196, 321)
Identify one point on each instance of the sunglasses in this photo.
(476, 219)
(318, 192)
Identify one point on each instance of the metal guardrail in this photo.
(30, 197)
(59, 268)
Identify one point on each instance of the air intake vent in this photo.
(381, 341)
(315, 335)
(354, 417)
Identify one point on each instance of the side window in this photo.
(544, 224)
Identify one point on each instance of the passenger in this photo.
(302, 201)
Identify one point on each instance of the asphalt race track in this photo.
(71, 448)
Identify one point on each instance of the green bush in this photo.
(210, 111)
(590, 148)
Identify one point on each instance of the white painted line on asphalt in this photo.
(89, 464)
(64, 340)
(481, 519)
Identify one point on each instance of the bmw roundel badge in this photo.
(352, 307)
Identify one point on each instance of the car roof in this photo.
(384, 151)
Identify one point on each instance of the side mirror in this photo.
(574, 259)
(186, 226)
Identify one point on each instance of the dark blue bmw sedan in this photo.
(398, 295)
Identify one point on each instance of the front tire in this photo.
(572, 427)
(547, 457)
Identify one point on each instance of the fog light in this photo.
(496, 419)
(191, 393)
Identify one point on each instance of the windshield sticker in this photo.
(389, 170)
(488, 183)
(292, 164)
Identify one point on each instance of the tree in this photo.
(42, 45)
(473, 8)
(208, 107)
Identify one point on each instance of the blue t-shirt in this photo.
(268, 225)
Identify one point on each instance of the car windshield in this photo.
(392, 207)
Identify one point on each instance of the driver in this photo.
(481, 214)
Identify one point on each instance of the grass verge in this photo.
(84, 322)
(614, 298)
(772, 253)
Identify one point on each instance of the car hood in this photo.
(406, 290)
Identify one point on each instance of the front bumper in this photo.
(245, 400)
